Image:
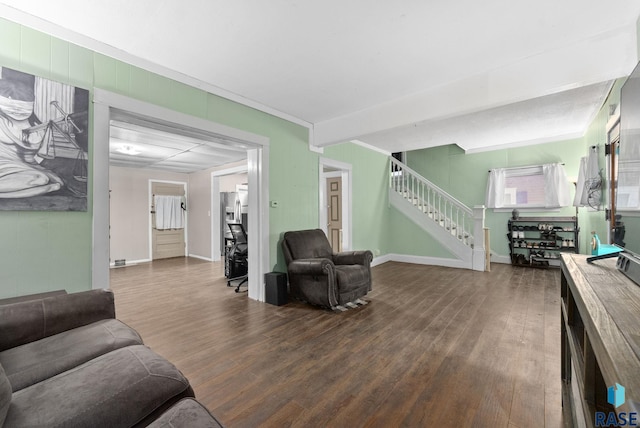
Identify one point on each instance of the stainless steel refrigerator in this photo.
(234, 207)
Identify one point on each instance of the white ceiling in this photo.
(167, 150)
(396, 75)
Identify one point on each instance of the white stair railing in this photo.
(463, 223)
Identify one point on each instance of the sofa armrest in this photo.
(32, 320)
(363, 258)
(319, 266)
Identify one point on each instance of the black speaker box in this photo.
(276, 288)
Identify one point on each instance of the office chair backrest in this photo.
(237, 230)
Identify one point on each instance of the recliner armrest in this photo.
(363, 257)
(33, 320)
(319, 266)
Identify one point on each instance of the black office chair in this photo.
(238, 256)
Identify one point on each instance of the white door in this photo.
(334, 212)
(166, 243)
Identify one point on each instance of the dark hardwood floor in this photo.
(435, 347)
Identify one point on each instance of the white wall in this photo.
(200, 207)
(228, 182)
(129, 211)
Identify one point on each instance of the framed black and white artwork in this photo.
(43, 144)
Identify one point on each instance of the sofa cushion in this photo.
(120, 388)
(36, 361)
(5, 395)
(187, 413)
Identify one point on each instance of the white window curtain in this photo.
(549, 180)
(169, 212)
(557, 191)
(589, 184)
(496, 188)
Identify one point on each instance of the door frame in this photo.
(186, 217)
(343, 170)
(257, 146)
(215, 207)
(611, 173)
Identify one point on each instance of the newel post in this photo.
(479, 261)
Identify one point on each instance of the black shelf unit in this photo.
(539, 241)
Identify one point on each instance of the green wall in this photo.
(370, 197)
(42, 251)
(465, 175)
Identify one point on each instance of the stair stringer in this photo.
(462, 252)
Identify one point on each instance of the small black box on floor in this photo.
(276, 288)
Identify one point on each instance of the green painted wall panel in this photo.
(11, 36)
(123, 77)
(187, 99)
(160, 90)
(81, 67)
(370, 199)
(35, 53)
(105, 72)
(59, 61)
(406, 238)
(139, 84)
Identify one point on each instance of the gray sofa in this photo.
(321, 277)
(65, 360)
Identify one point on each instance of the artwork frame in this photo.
(44, 143)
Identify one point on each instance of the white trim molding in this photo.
(344, 170)
(257, 147)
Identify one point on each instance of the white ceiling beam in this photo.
(605, 57)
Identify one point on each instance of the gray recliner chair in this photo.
(321, 277)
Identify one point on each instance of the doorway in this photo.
(168, 222)
(334, 211)
(217, 219)
(612, 151)
(335, 203)
(108, 104)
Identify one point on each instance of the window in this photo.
(541, 186)
(524, 188)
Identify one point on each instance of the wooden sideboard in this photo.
(600, 339)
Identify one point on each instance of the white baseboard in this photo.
(436, 261)
(497, 258)
(380, 260)
(420, 260)
(195, 256)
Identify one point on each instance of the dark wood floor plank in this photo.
(434, 347)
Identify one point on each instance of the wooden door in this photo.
(334, 212)
(167, 242)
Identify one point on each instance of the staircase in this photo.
(457, 227)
